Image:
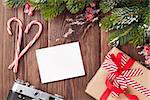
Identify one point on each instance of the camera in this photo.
(24, 91)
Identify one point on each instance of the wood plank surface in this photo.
(7, 50)
(93, 48)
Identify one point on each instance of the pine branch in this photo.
(146, 15)
(121, 18)
(108, 5)
(49, 9)
(51, 12)
(134, 34)
(139, 36)
(117, 37)
(15, 3)
(75, 6)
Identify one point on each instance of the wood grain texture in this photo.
(6, 52)
(104, 44)
(93, 48)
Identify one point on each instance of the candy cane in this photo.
(18, 39)
(34, 22)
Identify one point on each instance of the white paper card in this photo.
(60, 62)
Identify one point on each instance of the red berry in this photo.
(89, 10)
(147, 49)
(89, 17)
(27, 6)
(147, 60)
(30, 13)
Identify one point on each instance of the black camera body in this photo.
(24, 91)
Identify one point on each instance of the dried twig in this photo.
(86, 29)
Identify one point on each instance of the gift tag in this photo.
(60, 62)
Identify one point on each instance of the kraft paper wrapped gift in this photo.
(96, 87)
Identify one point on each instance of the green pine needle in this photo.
(51, 12)
(15, 3)
(75, 6)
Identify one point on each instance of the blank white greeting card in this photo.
(60, 62)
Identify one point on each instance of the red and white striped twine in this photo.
(18, 55)
(132, 72)
(138, 87)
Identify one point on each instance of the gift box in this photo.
(120, 78)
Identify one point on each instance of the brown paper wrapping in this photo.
(96, 86)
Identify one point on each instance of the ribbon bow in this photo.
(119, 77)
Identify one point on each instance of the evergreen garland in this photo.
(127, 24)
(127, 21)
(52, 8)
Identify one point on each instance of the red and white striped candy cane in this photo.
(19, 38)
(34, 22)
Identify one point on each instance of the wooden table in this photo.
(93, 47)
